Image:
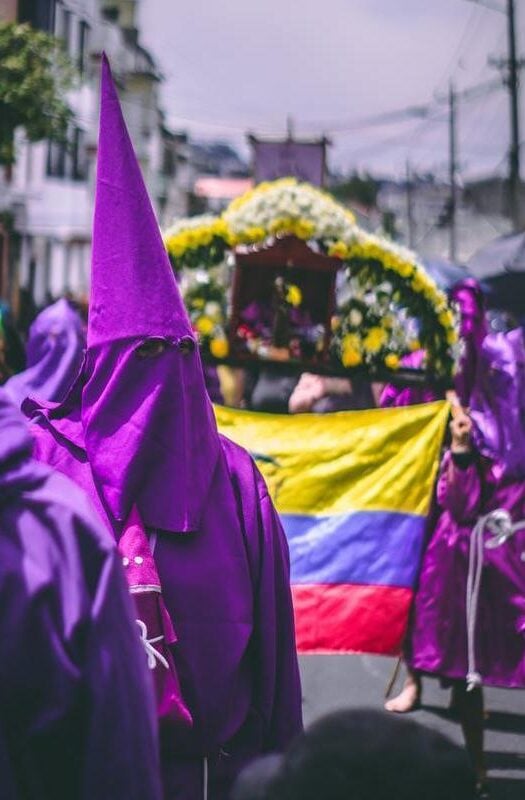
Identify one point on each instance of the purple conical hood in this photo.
(139, 409)
(130, 267)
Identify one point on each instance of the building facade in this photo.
(49, 193)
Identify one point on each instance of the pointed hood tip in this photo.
(133, 289)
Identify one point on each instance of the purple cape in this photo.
(494, 479)
(76, 711)
(498, 401)
(438, 642)
(54, 355)
(138, 429)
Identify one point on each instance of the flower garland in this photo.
(200, 241)
(409, 296)
(205, 300)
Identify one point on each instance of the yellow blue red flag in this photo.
(353, 490)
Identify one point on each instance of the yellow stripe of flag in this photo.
(374, 460)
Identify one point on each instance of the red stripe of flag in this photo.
(347, 618)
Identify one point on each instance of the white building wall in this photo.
(54, 214)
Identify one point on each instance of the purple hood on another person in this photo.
(76, 708)
(467, 294)
(473, 329)
(54, 355)
(145, 423)
(498, 401)
(15, 447)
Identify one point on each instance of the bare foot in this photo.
(408, 700)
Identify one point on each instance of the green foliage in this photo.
(360, 188)
(388, 224)
(35, 75)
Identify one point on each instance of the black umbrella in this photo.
(444, 273)
(500, 267)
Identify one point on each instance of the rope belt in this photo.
(152, 653)
(499, 524)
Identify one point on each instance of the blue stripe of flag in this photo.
(375, 548)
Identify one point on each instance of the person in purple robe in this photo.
(77, 718)
(54, 351)
(468, 623)
(137, 432)
(467, 295)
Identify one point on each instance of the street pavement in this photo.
(336, 682)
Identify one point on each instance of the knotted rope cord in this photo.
(499, 523)
(152, 654)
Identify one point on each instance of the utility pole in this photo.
(452, 171)
(514, 154)
(410, 205)
(511, 67)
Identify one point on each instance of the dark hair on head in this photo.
(370, 755)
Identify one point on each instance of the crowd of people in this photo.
(146, 621)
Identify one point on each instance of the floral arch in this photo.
(387, 305)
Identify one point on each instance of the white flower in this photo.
(212, 309)
(355, 317)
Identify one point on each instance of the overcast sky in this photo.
(234, 65)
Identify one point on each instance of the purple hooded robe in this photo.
(137, 429)
(76, 713)
(468, 296)
(471, 485)
(55, 349)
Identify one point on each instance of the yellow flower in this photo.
(375, 339)
(452, 336)
(204, 325)
(392, 361)
(294, 296)
(414, 345)
(338, 250)
(404, 269)
(417, 282)
(446, 319)
(281, 225)
(219, 347)
(352, 340)
(304, 229)
(254, 234)
(198, 302)
(351, 357)
(351, 350)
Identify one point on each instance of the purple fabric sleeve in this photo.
(75, 695)
(459, 490)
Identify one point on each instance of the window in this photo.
(83, 46)
(79, 155)
(56, 159)
(64, 28)
(39, 13)
(169, 161)
(68, 159)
